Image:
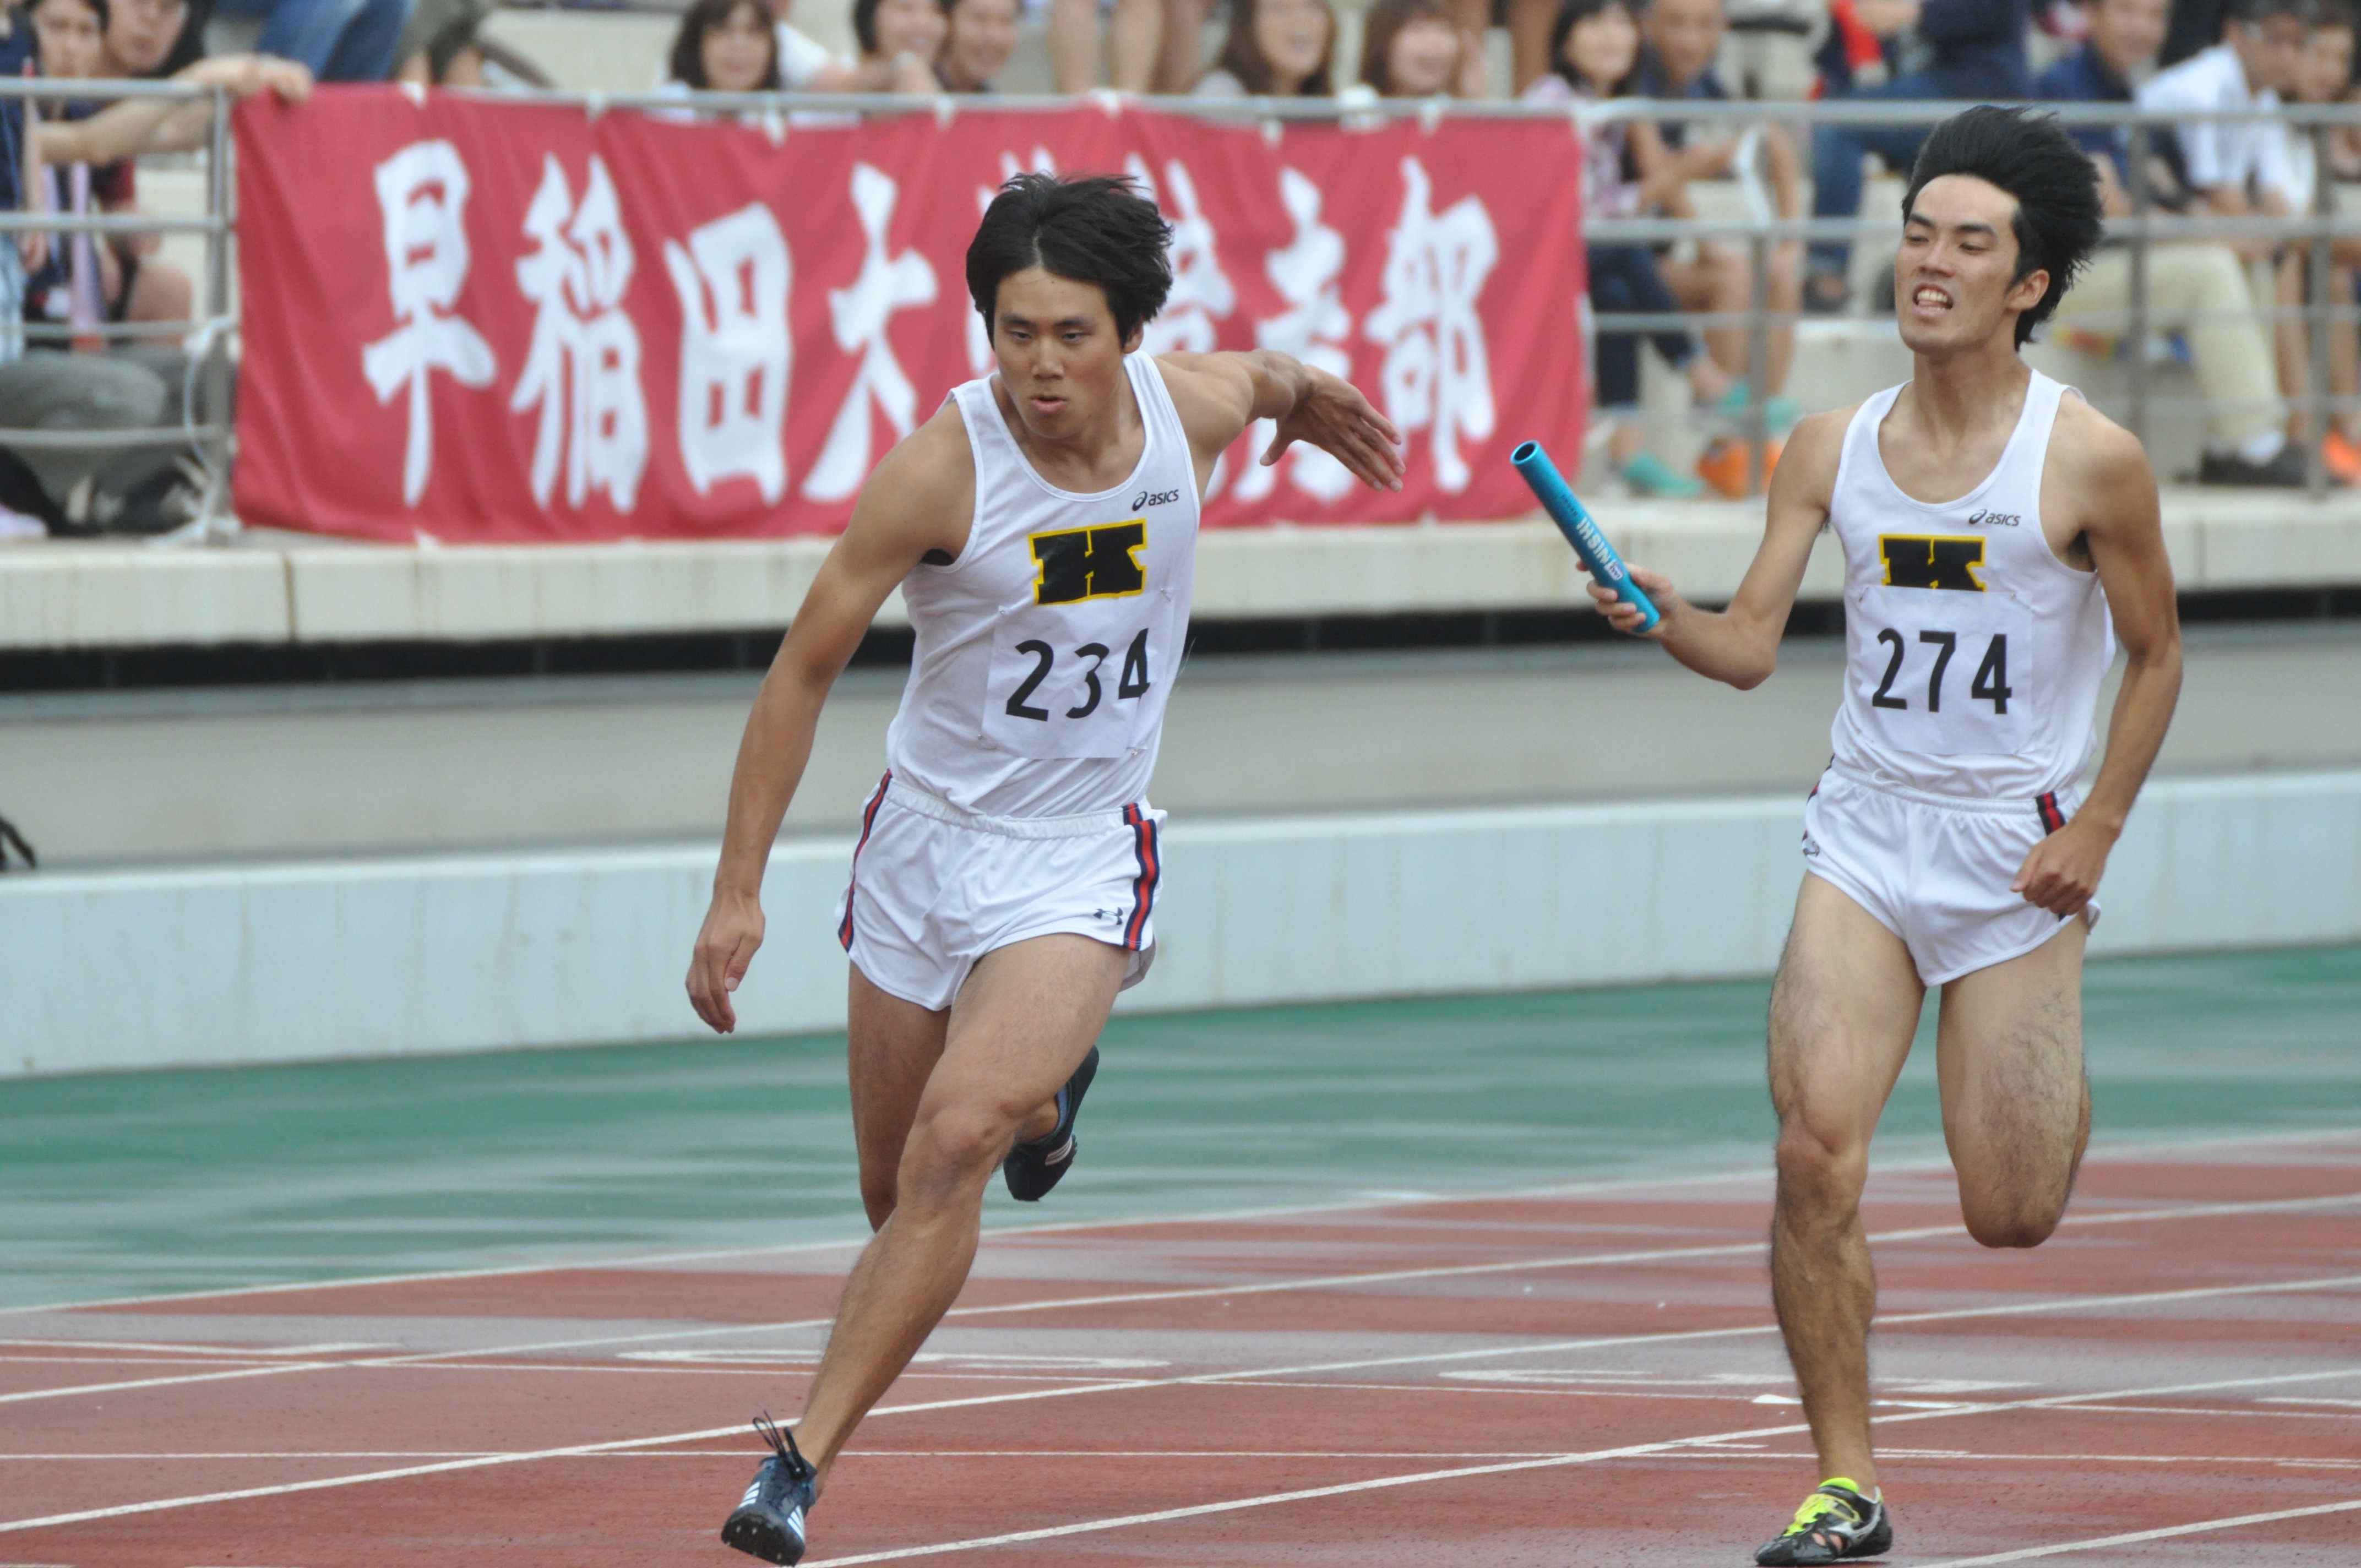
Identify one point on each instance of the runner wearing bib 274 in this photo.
(1042, 528)
(1990, 523)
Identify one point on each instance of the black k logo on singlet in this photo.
(1100, 563)
(1917, 561)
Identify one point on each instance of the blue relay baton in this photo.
(1572, 521)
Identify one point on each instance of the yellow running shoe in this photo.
(1836, 1521)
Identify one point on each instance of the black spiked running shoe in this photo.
(1033, 1167)
(768, 1521)
(1835, 1522)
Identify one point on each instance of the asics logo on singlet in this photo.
(1995, 520)
(1077, 564)
(1915, 561)
(1146, 498)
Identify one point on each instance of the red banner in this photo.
(487, 321)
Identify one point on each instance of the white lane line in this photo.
(674, 1439)
(2133, 1538)
(1455, 1474)
(1397, 1276)
(2109, 1154)
(270, 1371)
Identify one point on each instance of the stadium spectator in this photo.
(2195, 27)
(131, 285)
(2197, 290)
(1971, 49)
(336, 40)
(899, 40)
(1412, 49)
(1132, 41)
(2323, 75)
(1596, 48)
(726, 46)
(164, 124)
(1680, 39)
(2236, 168)
(983, 35)
(443, 45)
(1276, 49)
(154, 37)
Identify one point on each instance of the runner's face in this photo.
(1060, 355)
(1419, 61)
(736, 53)
(71, 46)
(1953, 285)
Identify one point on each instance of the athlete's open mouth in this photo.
(1931, 298)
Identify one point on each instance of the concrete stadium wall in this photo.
(247, 964)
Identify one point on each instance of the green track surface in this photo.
(149, 1183)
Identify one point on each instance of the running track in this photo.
(1583, 1377)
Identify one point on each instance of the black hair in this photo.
(1093, 228)
(1574, 12)
(688, 43)
(2258, 11)
(2057, 220)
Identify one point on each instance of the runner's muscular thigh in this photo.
(1843, 1010)
(2016, 1102)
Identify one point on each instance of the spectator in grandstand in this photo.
(165, 124)
(2195, 289)
(336, 40)
(1680, 39)
(443, 45)
(2236, 168)
(2323, 75)
(155, 37)
(2195, 27)
(983, 35)
(1132, 40)
(726, 46)
(1970, 49)
(1596, 48)
(127, 283)
(899, 41)
(1276, 49)
(1413, 48)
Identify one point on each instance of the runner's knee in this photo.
(2011, 1218)
(1816, 1169)
(952, 1146)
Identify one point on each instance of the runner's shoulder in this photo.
(924, 487)
(2088, 448)
(1807, 464)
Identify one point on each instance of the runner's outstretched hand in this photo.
(1333, 416)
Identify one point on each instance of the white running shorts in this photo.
(935, 887)
(1935, 869)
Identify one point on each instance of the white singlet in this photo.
(1973, 654)
(1046, 651)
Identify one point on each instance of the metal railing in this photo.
(205, 339)
(205, 425)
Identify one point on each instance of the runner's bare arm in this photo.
(1218, 395)
(920, 500)
(1741, 644)
(2100, 465)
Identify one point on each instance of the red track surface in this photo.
(1578, 1379)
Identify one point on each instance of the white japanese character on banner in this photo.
(979, 342)
(1314, 328)
(860, 316)
(1437, 374)
(583, 368)
(734, 277)
(423, 190)
(1201, 293)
